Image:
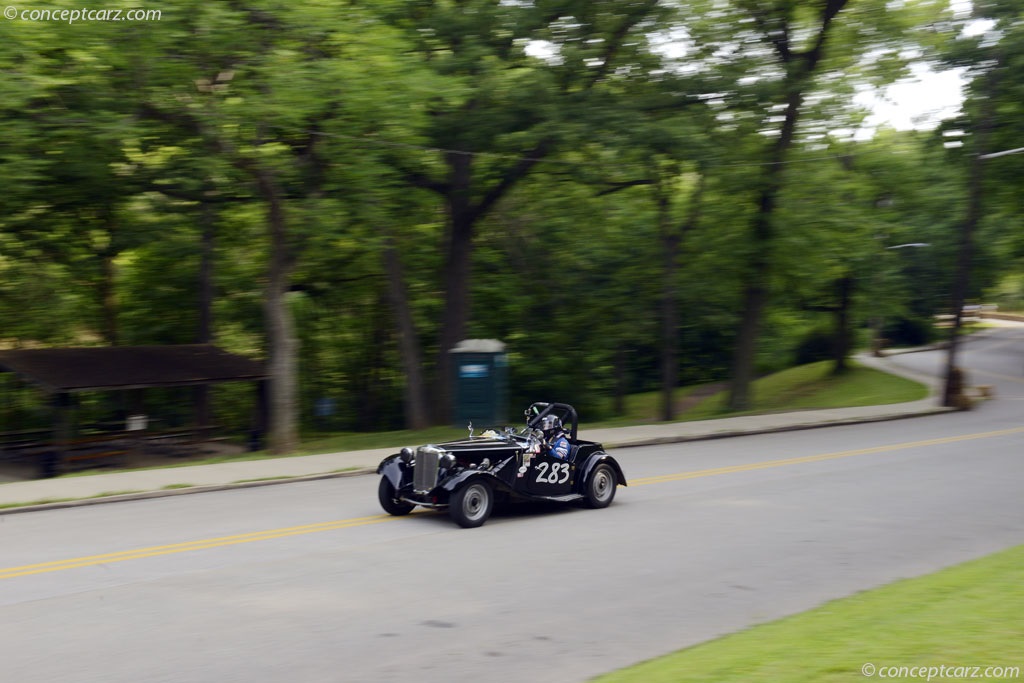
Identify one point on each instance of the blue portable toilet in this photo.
(480, 383)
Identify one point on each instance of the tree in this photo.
(500, 112)
(74, 206)
(778, 61)
(992, 60)
(778, 26)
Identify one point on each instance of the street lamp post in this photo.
(1005, 152)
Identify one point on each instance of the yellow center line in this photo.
(820, 457)
(1005, 342)
(269, 534)
(999, 376)
(203, 544)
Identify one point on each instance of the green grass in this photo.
(646, 407)
(806, 386)
(800, 388)
(963, 616)
(813, 386)
(364, 441)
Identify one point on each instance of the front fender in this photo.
(593, 461)
(393, 468)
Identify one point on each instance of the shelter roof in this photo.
(103, 368)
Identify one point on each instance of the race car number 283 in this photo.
(552, 473)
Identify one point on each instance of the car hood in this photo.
(480, 443)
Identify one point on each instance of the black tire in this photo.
(391, 504)
(472, 504)
(600, 488)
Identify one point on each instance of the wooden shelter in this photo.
(61, 372)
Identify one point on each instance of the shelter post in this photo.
(262, 417)
(63, 420)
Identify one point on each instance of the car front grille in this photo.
(424, 477)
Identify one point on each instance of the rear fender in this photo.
(593, 461)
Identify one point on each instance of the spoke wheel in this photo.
(471, 505)
(389, 501)
(601, 486)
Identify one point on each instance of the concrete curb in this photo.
(185, 490)
(629, 443)
(657, 441)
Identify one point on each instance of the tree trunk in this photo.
(204, 330)
(108, 298)
(283, 346)
(459, 249)
(369, 395)
(799, 68)
(754, 297)
(952, 393)
(755, 292)
(669, 308)
(621, 388)
(671, 239)
(843, 334)
(416, 416)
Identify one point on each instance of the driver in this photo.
(554, 437)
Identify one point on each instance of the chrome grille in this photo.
(424, 476)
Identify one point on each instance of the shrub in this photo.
(816, 346)
(909, 332)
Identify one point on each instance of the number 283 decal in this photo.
(558, 473)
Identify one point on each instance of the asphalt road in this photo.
(309, 582)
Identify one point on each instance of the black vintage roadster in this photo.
(467, 476)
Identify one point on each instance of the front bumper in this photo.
(436, 499)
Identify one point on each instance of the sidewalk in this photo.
(84, 490)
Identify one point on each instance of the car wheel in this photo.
(389, 501)
(471, 505)
(600, 490)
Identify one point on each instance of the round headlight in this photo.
(406, 455)
(447, 460)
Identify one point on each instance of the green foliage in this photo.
(126, 144)
(990, 121)
(909, 332)
(816, 346)
(1008, 294)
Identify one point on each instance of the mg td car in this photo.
(468, 475)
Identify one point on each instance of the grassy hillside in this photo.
(964, 616)
(800, 388)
